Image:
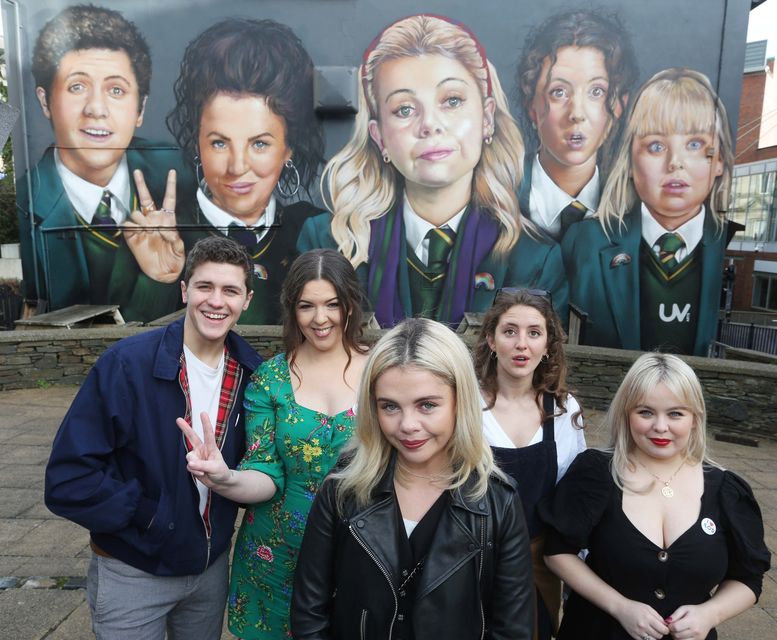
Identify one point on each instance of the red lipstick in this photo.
(660, 442)
(413, 444)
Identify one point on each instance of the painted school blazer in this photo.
(531, 263)
(603, 279)
(62, 276)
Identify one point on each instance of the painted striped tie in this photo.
(102, 215)
(440, 243)
(668, 245)
(574, 212)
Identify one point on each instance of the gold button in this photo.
(660, 594)
(663, 556)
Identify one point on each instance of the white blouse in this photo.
(569, 440)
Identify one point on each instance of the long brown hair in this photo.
(550, 376)
(329, 265)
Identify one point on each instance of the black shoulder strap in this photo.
(549, 407)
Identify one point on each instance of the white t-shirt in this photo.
(204, 392)
(569, 440)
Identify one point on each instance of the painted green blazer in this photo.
(62, 276)
(604, 281)
(531, 263)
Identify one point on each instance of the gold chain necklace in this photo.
(434, 477)
(666, 490)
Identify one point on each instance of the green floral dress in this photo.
(296, 447)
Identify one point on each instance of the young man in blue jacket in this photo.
(160, 539)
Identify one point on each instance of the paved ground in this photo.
(43, 558)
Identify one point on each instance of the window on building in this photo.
(753, 205)
(765, 292)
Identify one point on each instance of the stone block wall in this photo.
(741, 396)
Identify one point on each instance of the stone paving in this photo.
(43, 558)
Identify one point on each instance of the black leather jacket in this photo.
(476, 581)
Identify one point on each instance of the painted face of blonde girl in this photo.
(431, 122)
(674, 173)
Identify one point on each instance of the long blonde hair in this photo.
(430, 346)
(676, 100)
(358, 187)
(647, 372)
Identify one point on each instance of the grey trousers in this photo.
(129, 604)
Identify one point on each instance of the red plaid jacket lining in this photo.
(229, 386)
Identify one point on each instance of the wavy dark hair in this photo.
(592, 28)
(84, 26)
(332, 266)
(550, 376)
(221, 250)
(264, 58)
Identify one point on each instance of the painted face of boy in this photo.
(674, 173)
(569, 109)
(431, 122)
(94, 106)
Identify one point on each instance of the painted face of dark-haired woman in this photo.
(243, 147)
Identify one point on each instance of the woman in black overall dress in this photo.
(529, 419)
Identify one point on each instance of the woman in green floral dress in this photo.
(299, 414)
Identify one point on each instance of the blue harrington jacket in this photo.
(118, 460)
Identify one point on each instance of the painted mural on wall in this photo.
(607, 194)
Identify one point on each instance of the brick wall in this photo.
(756, 130)
(740, 395)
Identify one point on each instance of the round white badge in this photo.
(708, 526)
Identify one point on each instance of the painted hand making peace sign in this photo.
(151, 233)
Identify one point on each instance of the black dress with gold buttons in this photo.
(725, 542)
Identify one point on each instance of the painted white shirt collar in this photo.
(416, 229)
(221, 219)
(85, 196)
(547, 200)
(691, 232)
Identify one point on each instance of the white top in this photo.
(416, 229)
(569, 440)
(204, 392)
(85, 196)
(221, 219)
(410, 525)
(691, 232)
(547, 200)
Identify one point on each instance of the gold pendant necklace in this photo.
(666, 490)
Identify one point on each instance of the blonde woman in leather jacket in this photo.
(417, 534)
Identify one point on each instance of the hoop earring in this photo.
(545, 357)
(289, 181)
(200, 176)
(386, 158)
(493, 355)
(488, 139)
